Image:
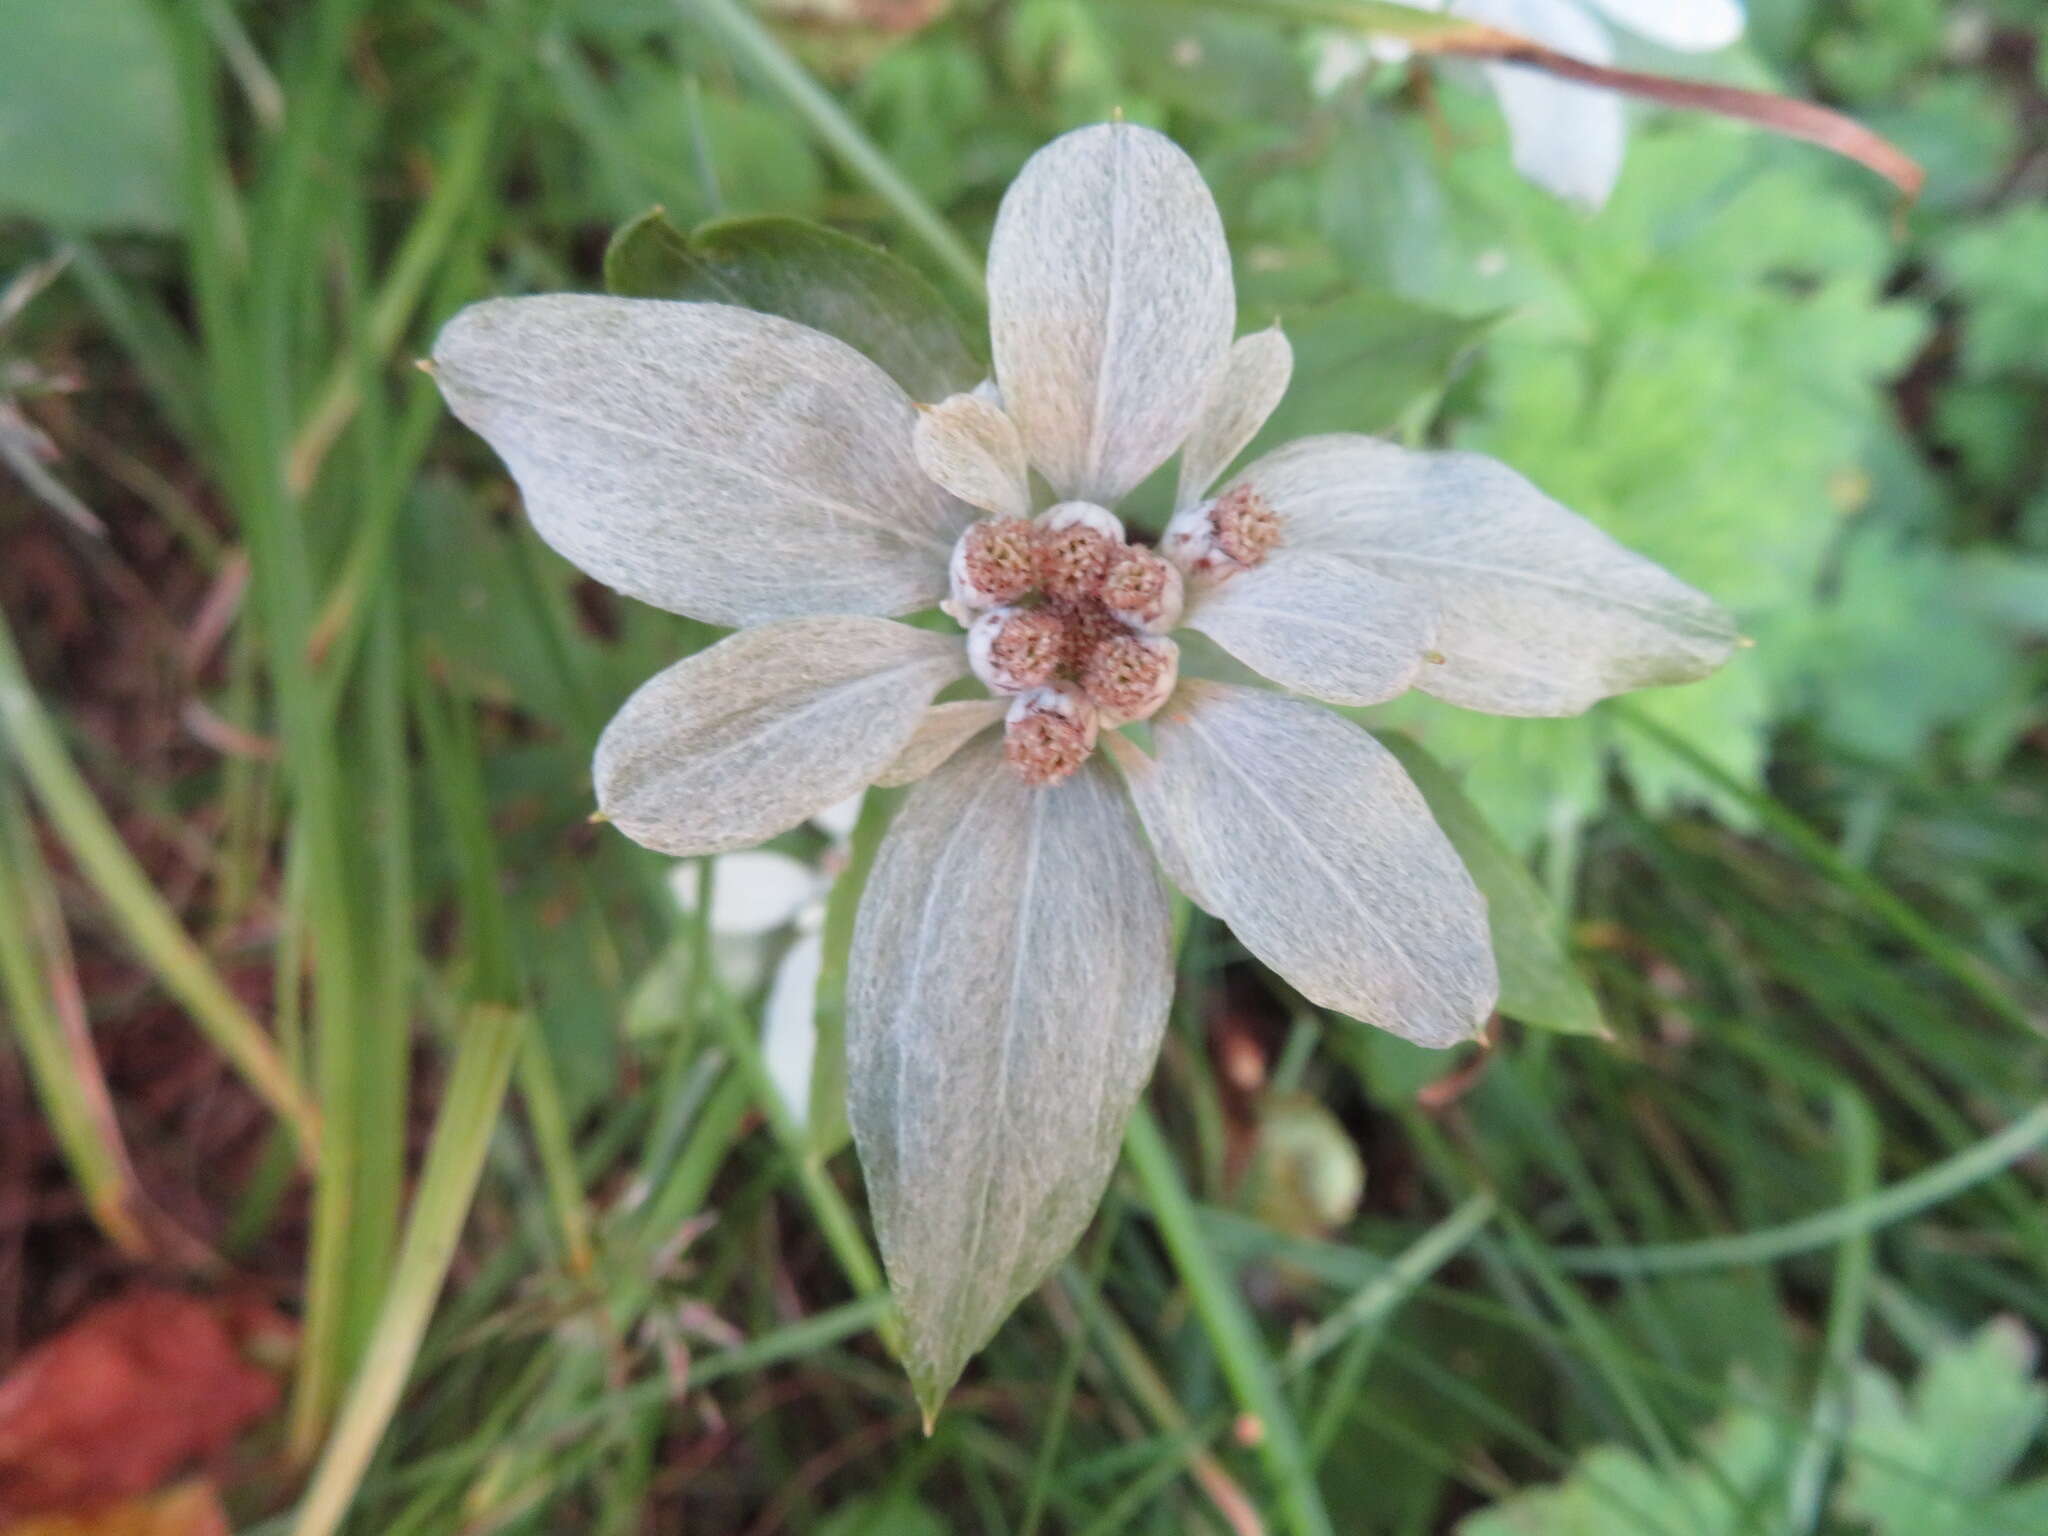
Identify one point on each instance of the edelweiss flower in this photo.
(1012, 964)
(1568, 138)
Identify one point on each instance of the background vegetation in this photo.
(297, 716)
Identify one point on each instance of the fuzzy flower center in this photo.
(1066, 617)
(1217, 539)
(1247, 527)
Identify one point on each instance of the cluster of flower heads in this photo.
(1069, 618)
(1011, 965)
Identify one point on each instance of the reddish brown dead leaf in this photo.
(1780, 114)
(1445, 36)
(137, 1390)
(190, 1509)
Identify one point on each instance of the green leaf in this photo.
(88, 115)
(1913, 639)
(1932, 1464)
(806, 273)
(2000, 269)
(1538, 982)
(1614, 1492)
(1361, 361)
(1701, 373)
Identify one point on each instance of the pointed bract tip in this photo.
(597, 819)
(425, 365)
(931, 1421)
(1116, 113)
(1745, 642)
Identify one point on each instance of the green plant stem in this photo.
(1136, 1373)
(1063, 1386)
(491, 1037)
(743, 32)
(835, 1218)
(1371, 1302)
(30, 737)
(1848, 1302)
(1879, 1209)
(1244, 1360)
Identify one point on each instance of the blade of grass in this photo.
(1376, 1299)
(149, 924)
(494, 1028)
(1962, 967)
(484, 1053)
(471, 143)
(827, 1120)
(836, 1221)
(1136, 1373)
(743, 32)
(248, 269)
(47, 1016)
(1848, 1303)
(541, 1093)
(1063, 1383)
(1243, 1358)
(1873, 1212)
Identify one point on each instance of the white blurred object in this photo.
(789, 1022)
(837, 821)
(756, 896)
(752, 893)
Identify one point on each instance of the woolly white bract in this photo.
(1011, 964)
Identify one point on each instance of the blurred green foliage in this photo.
(1932, 1460)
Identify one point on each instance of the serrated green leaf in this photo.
(1933, 1464)
(1930, 1464)
(88, 115)
(1539, 985)
(2000, 268)
(1701, 374)
(806, 273)
(1912, 639)
(1614, 1492)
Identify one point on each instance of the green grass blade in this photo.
(1892, 1203)
(756, 45)
(47, 1016)
(149, 924)
(490, 1039)
(1242, 1356)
